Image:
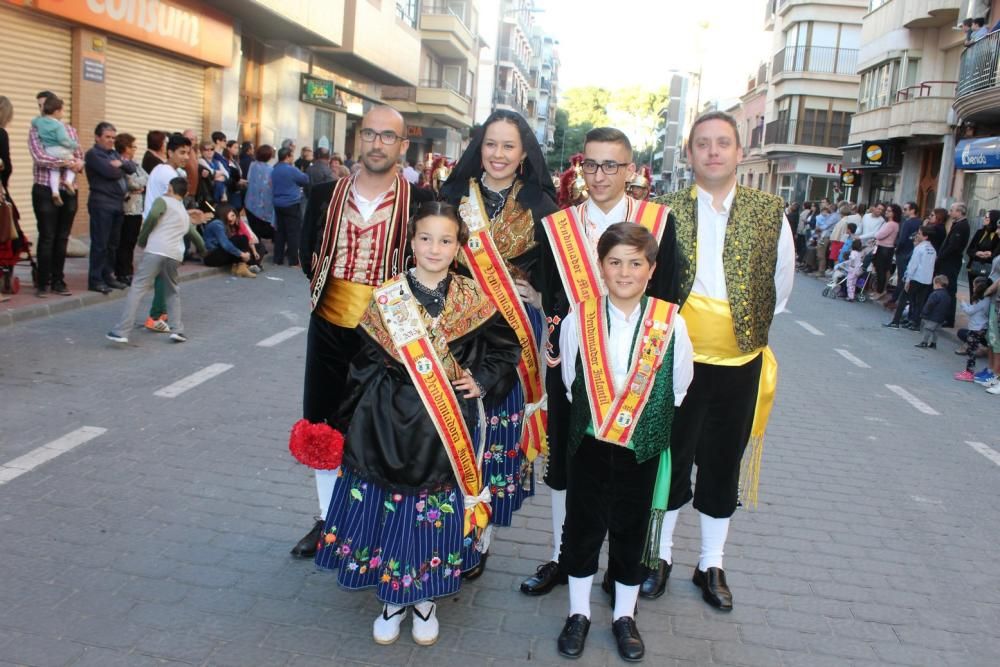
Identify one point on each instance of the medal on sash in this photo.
(615, 414)
(402, 319)
(576, 256)
(490, 272)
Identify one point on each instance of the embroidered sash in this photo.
(490, 271)
(614, 414)
(576, 256)
(402, 319)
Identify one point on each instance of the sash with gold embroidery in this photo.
(615, 414)
(576, 256)
(402, 319)
(490, 272)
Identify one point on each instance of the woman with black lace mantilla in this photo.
(502, 184)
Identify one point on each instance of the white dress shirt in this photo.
(710, 275)
(869, 225)
(598, 221)
(366, 207)
(622, 329)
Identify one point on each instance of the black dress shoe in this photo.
(114, 284)
(103, 289)
(921, 344)
(61, 289)
(656, 582)
(308, 545)
(630, 646)
(474, 573)
(573, 636)
(713, 587)
(546, 577)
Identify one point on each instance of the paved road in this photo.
(159, 534)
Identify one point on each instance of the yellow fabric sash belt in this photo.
(403, 320)
(710, 325)
(492, 276)
(344, 302)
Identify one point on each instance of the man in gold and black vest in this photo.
(736, 264)
(361, 244)
(569, 274)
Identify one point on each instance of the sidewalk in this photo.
(26, 306)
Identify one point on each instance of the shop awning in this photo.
(978, 154)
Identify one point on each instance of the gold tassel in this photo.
(750, 472)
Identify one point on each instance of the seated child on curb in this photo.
(935, 311)
(978, 311)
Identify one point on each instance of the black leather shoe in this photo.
(307, 546)
(630, 646)
(61, 289)
(921, 344)
(475, 572)
(103, 289)
(573, 636)
(546, 577)
(656, 582)
(713, 587)
(114, 284)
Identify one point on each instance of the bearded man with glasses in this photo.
(360, 244)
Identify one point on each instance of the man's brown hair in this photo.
(714, 115)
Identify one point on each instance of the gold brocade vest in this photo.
(749, 256)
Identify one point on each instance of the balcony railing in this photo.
(756, 137)
(511, 55)
(443, 8)
(444, 85)
(510, 100)
(804, 133)
(978, 69)
(927, 89)
(820, 59)
(762, 73)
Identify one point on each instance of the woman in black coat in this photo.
(983, 248)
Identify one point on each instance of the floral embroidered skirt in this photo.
(505, 468)
(409, 547)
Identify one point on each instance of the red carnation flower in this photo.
(316, 445)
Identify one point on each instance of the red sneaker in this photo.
(965, 376)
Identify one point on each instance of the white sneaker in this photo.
(115, 338)
(992, 382)
(385, 630)
(178, 337)
(425, 623)
(995, 389)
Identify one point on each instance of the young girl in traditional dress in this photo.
(401, 518)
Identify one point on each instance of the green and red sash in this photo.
(403, 320)
(615, 414)
(490, 272)
(576, 256)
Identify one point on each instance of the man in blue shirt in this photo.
(287, 183)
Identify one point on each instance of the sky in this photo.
(615, 44)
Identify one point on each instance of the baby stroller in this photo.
(837, 287)
(13, 252)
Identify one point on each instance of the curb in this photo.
(25, 313)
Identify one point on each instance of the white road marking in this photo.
(985, 450)
(851, 358)
(810, 328)
(281, 336)
(928, 501)
(191, 381)
(280, 280)
(36, 457)
(911, 399)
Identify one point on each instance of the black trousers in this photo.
(883, 264)
(915, 297)
(126, 246)
(287, 224)
(329, 350)
(952, 272)
(105, 233)
(261, 228)
(219, 256)
(711, 429)
(609, 494)
(557, 431)
(54, 225)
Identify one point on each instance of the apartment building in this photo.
(670, 167)
(513, 56)
(544, 75)
(754, 170)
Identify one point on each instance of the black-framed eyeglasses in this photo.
(388, 137)
(610, 167)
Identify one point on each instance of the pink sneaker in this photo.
(965, 376)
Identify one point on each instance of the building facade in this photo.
(512, 81)
(545, 77)
(671, 171)
(902, 135)
(754, 170)
(812, 93)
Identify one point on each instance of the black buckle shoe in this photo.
(546, 577)
(474, 573)
(573, 636)
(714, 589)
(308, 545)
(656, 583)
(630, 646)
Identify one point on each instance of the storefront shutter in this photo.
(147, 91)
(38, 57)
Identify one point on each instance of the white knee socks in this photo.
(558, 519)
(625, 599)
(579, 595)
(713, 541)
(325, 480)
(667, 535)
